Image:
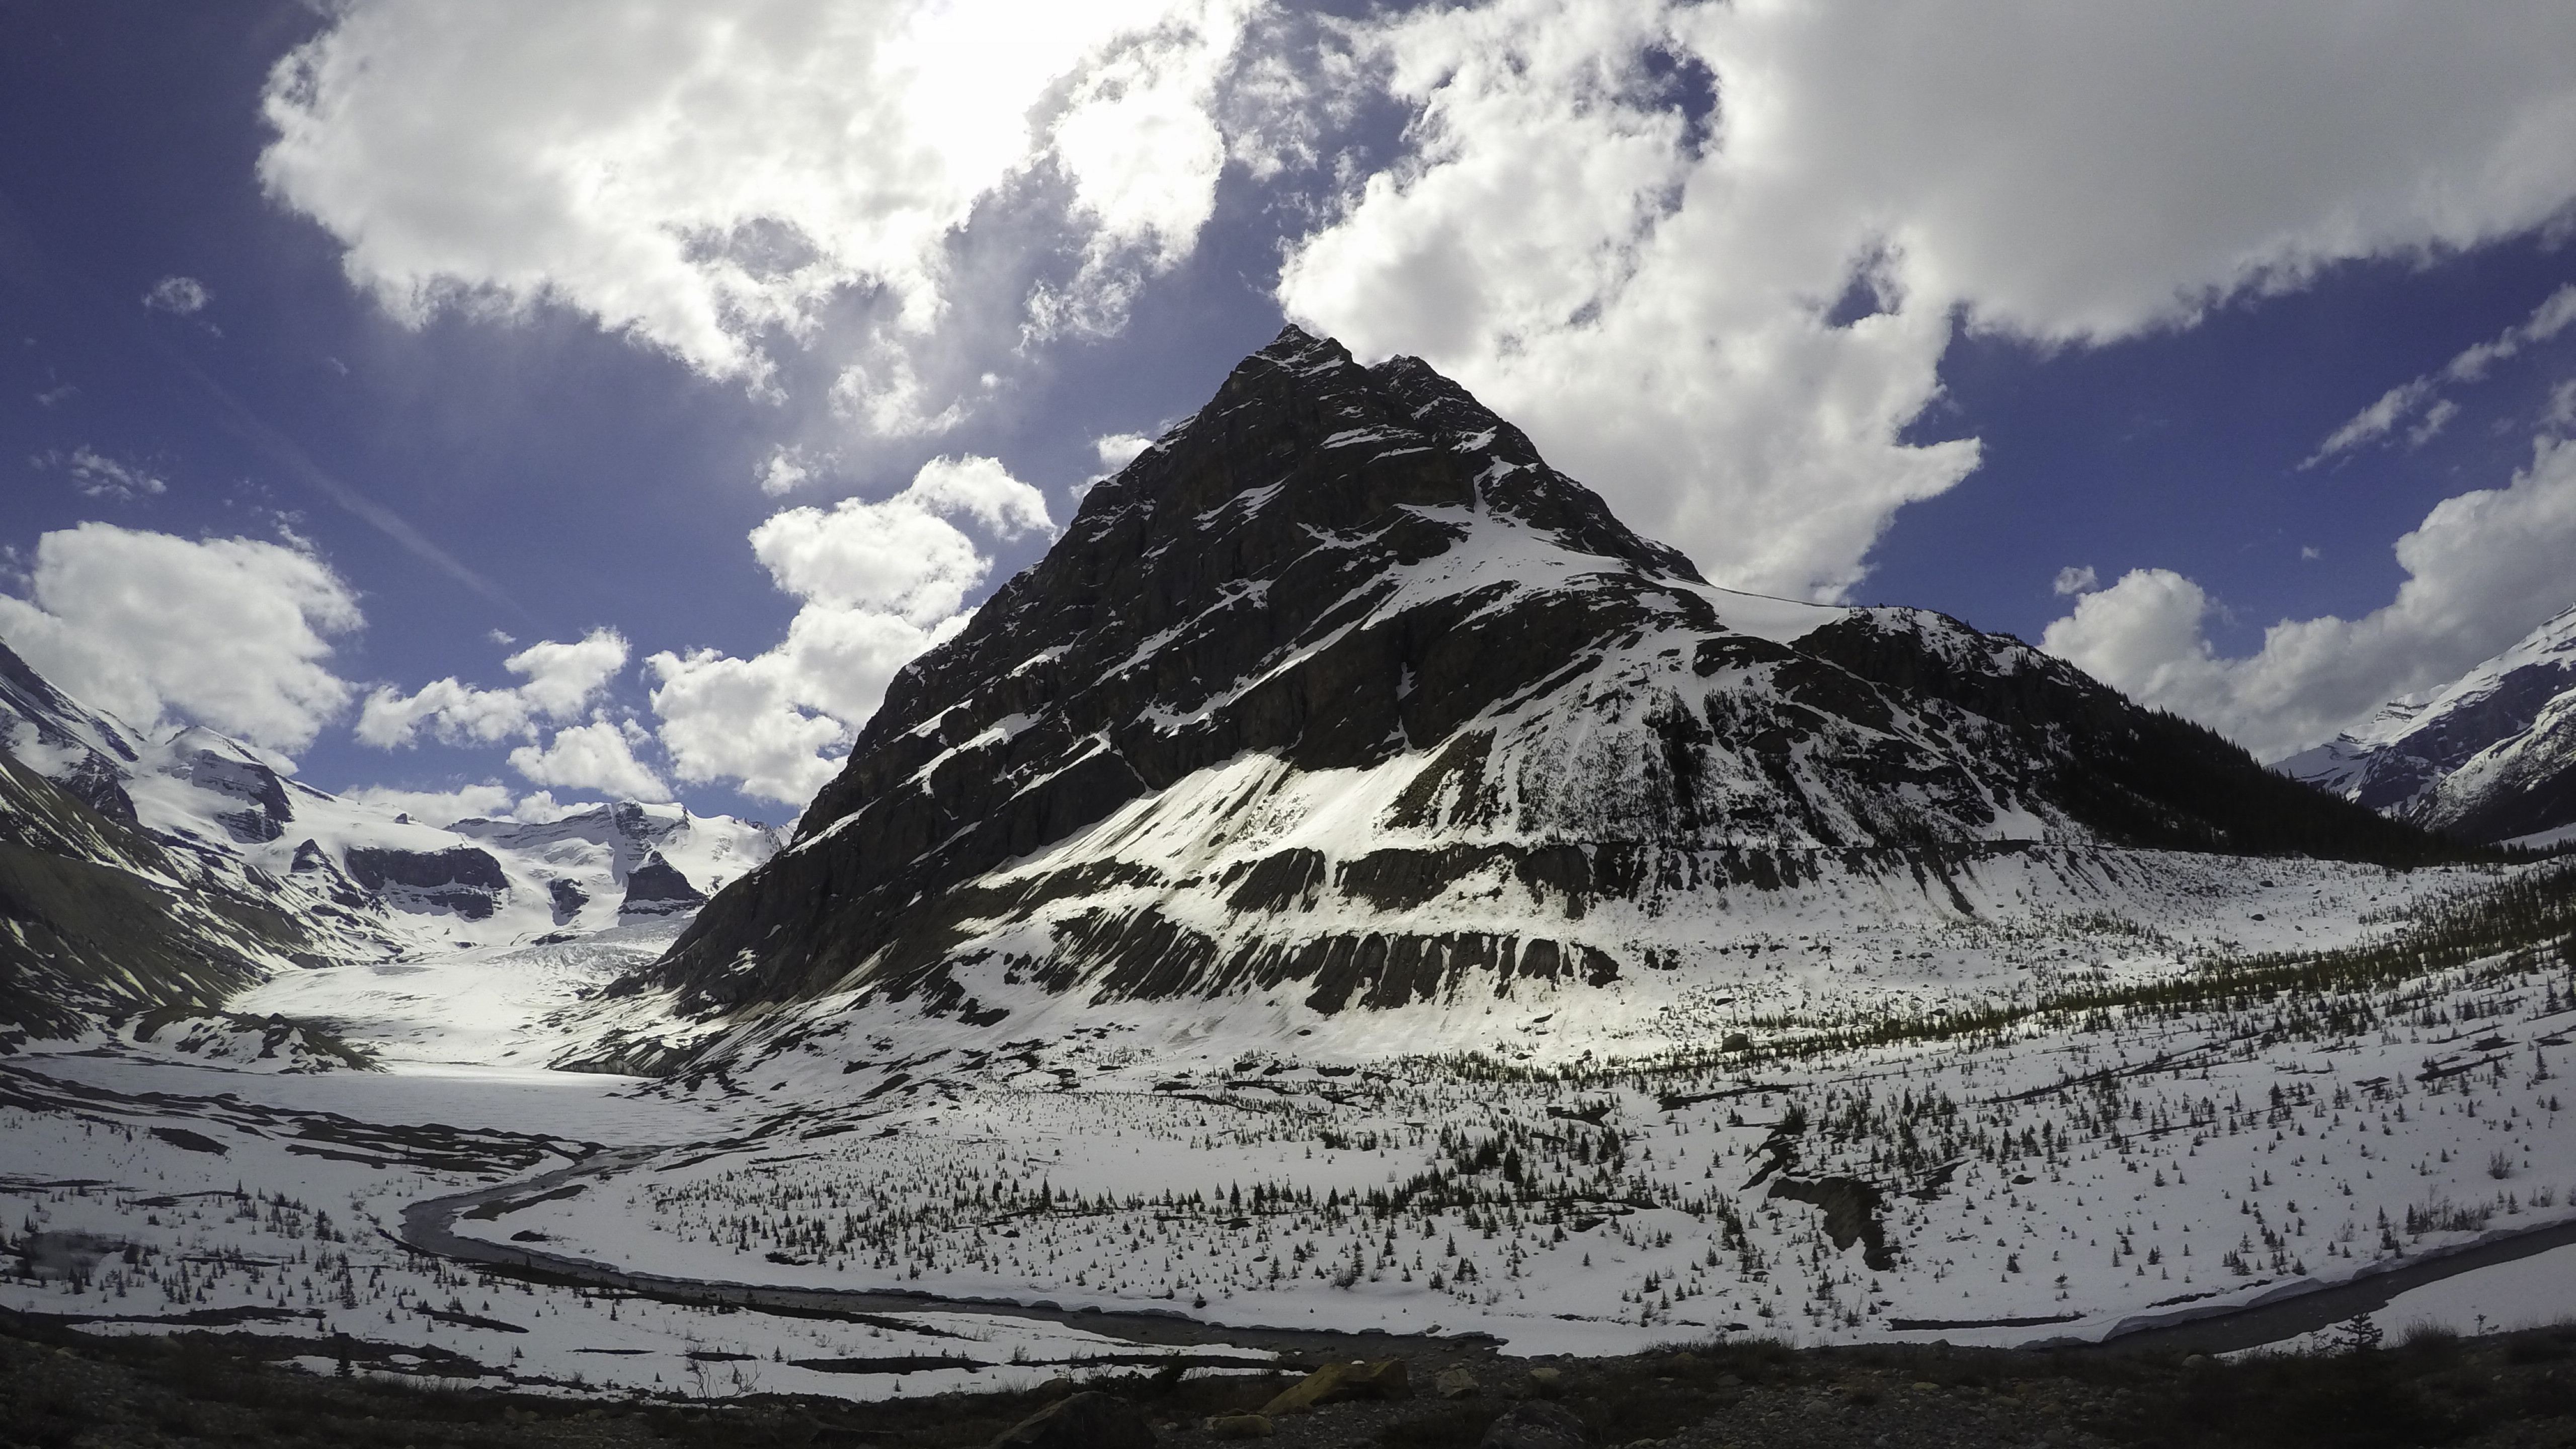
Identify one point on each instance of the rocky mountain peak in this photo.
(1296, 489)
(1340, 682)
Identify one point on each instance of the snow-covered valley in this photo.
(2108, 1149)
(1351, 886)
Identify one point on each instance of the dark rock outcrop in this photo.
(264, 809)
(460, 878)
(656, 888)
(318, 872)
(567, 897)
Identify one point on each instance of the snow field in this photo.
(2056, 1176)
(147, 1216)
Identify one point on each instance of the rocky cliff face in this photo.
(1339, 690)
(2488, 757)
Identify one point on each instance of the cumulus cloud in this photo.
(2481, 570)
(561, 682)
(880, 582)
(232, 632)
(712, 182)
(1649, 283)
(2420, 398)
(2075, 579)
(183, 296)
(1117, 450)
(98, 476)
(436, 807)
(786, 470)
(542, 806)
(598, 756)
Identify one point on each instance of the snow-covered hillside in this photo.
(338, 879)
(2490, 756)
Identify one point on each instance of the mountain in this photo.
(95, 918)
(142, 869)
(1338, 696)
(2488, 757)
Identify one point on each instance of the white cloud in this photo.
(562, 680)
(1117, 450)
(982, 490)
(2077, 580)
(1143, 151)
(1652, 303)
(98, 476)
(184, 296)
(232, 632)
(712, 181)
(598, 756)
(901, 556)
(2560, 414)
(542, 806)
(2423, 394)
(765, 722)
(881, 582)
(786, 470)
(436, 807)
(2481, 570)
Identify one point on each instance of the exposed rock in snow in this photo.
(654, 888)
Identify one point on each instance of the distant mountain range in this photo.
(2488, 757)
(142, 870)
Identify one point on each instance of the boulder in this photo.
(1535, 1424)
(1456, 1383)
(1336, 1383)
(1083, 1421)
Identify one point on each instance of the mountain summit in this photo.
(1338, 692)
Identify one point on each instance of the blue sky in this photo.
(352, 354)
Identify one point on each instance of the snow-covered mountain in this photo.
(244, 869)
(1351, 883)
(2488, 757)
(1338, 697)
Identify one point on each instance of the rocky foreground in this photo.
(63, 1388)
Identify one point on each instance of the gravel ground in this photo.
(62, 1389)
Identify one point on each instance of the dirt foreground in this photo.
(64, 1387)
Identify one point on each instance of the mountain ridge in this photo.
(1352, 594)
(2489, 757)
